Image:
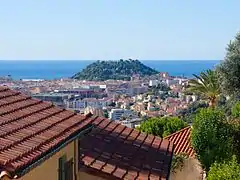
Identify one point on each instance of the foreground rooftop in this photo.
(33, 130)
(125, 153)
(182, 141)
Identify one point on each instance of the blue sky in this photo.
(114, 29)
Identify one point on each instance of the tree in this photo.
(162, 126)
(235, 121)
(206, 85)
(228, 105)
(229, 69)
(236, 110)
(106, 114)
(117, 70)
(212, 137)
(152, 126)
(189, 113)
(236, 139)
(225, 171)
(172, 125)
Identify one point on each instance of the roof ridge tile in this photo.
(177, 132)
(182, 142)
(121, 158)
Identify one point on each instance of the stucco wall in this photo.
(48, 170)
(190, 170)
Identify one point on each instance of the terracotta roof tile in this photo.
(30, 128)
(125, 153)
(181, 141)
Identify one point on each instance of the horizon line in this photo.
(110, 59)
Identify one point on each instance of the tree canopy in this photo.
(229, 68)
(117, 70)
(162, 126)
(229, 170)
(212, 137)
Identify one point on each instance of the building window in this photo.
(61, 167)
(65, 170)
(69, 170)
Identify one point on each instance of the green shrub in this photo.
(212, 137)
(236, 110)
(162, 126)
(225, 171)
(178, 161)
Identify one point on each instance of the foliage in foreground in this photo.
(162, 126)
(212, 137)
(225, 171)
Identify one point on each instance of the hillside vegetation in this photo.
(117, 70)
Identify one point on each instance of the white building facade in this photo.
(117, 114)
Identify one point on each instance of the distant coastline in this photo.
(56, 69)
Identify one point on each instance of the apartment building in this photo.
(80, 104)
(117, 114)
(57, 98)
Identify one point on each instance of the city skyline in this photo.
(92, 30)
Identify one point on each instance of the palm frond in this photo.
(205, 84)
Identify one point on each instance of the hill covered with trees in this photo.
(117, 70)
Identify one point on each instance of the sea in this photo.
(56, 69)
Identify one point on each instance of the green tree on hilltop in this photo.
(117, 70)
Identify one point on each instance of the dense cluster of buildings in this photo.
(127, 102)
(54, 130)
(39, 137)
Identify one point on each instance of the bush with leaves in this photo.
(178, 161)
(225, 171)
(162, 126)
(236, 139)
(236, 110)
(212, 137)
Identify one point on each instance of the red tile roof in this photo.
(30, 128)
(181, 140)
(125, 153)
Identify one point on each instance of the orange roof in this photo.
(125, 153)
(181, 141)
(30, 128)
